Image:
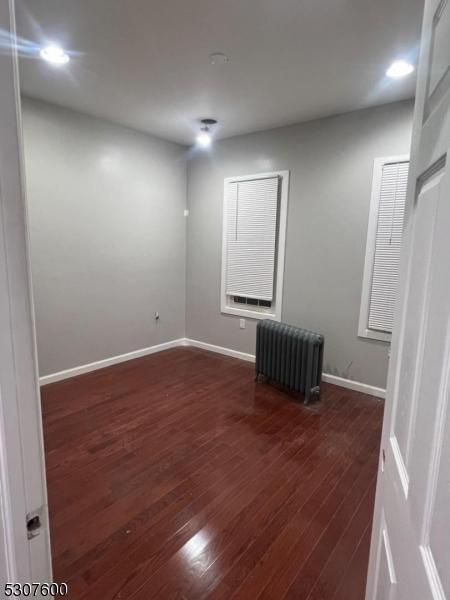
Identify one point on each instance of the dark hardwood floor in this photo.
(177, 476)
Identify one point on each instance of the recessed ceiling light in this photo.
(54, 55)
(399, 69)
(218, 58)
(204, 138)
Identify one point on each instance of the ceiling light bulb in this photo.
(54, 55)
(399, 69)
(204, 139)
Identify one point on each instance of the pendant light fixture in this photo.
(204, 138)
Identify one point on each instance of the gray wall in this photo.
(107, 236)
(330, 163)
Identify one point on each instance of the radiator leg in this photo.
(312, 394)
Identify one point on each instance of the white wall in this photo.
(330, 162)
(107, 236)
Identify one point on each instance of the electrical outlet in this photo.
(242, 323)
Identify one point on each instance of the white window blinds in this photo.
(391, 211)
(251, 233)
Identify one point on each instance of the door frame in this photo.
(24, 556)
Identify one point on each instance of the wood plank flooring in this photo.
(177, 476)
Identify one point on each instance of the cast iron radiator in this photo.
(290, 356)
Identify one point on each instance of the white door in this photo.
(24, 554)
(410, 552)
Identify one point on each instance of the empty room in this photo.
(224, 299)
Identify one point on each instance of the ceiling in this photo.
(145, 63)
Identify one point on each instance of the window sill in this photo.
(375, 335)
(249, 314)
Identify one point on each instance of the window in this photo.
(384, 240)
(254, 232)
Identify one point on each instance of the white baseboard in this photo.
(340, 381)
(354, 385)
(114, 360)
(220, 350)
(107, 362)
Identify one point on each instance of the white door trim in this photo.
(21, 448)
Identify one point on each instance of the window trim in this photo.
(363, 325)
(275, 312)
